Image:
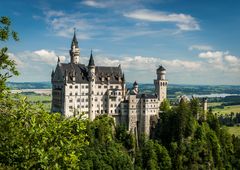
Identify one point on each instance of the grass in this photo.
(214, 104)
(39, 98)
(235, 130)
(227, 109)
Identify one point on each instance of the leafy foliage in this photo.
(7, 66)
(33, 138)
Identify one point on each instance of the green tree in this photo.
(32, 138)
(165, 106)
(7, 66)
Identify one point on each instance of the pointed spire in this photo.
(91, 60)
(74, 40)
(135, 83)
(123, 77)
(52, 73)
(58, 60)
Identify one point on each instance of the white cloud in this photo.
(221, 60)
(18, 61)
(141, 63)
(93, 3)
(63, 24)
(45, 56)
(200, 47)
(212, 54)
(183, 22)
(232, 59)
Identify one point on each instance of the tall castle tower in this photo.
(161, 84)
(91, 73)
(74, 51)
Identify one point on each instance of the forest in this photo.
(31, 138)
(184, 137)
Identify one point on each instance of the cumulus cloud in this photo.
(183, 21)
(45, 56)
(141, 63)
(221, 60)
(232, 59)
(200, 47)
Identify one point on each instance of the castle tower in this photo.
(74, 51)
(135, 88)
(91, 73)
(204, 103)
(161, 84)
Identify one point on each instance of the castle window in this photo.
(78, 106)
(76, 93)
(70, 100)
(117, 87)
(105, 87)
(70, 86)
(70, 94)
(97, 93)
(111, 105)
(70, 107)
(86, 100)
(83, 87)
(96, 100)
(111, 87)
(82, 100)
(86, 86)
(99, 87)
(76, 87)
(119, 93)
(78, 100)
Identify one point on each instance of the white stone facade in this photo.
(96, 90)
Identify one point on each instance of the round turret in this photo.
(161, 71)
(135, 87)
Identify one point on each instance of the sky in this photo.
(196, 41)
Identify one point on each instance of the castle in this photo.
(96, 90)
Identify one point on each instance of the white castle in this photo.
(97, 90)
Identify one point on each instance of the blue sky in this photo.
(196, 41)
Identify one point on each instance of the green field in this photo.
(39, 98)
(235, 130)
(227, 109)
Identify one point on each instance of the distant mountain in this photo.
(29, 85)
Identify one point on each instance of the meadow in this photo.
(219, 109)
(234, 130)
(43, 99)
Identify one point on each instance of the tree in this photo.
(32, 138)
(7, 66)
(165, 105)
